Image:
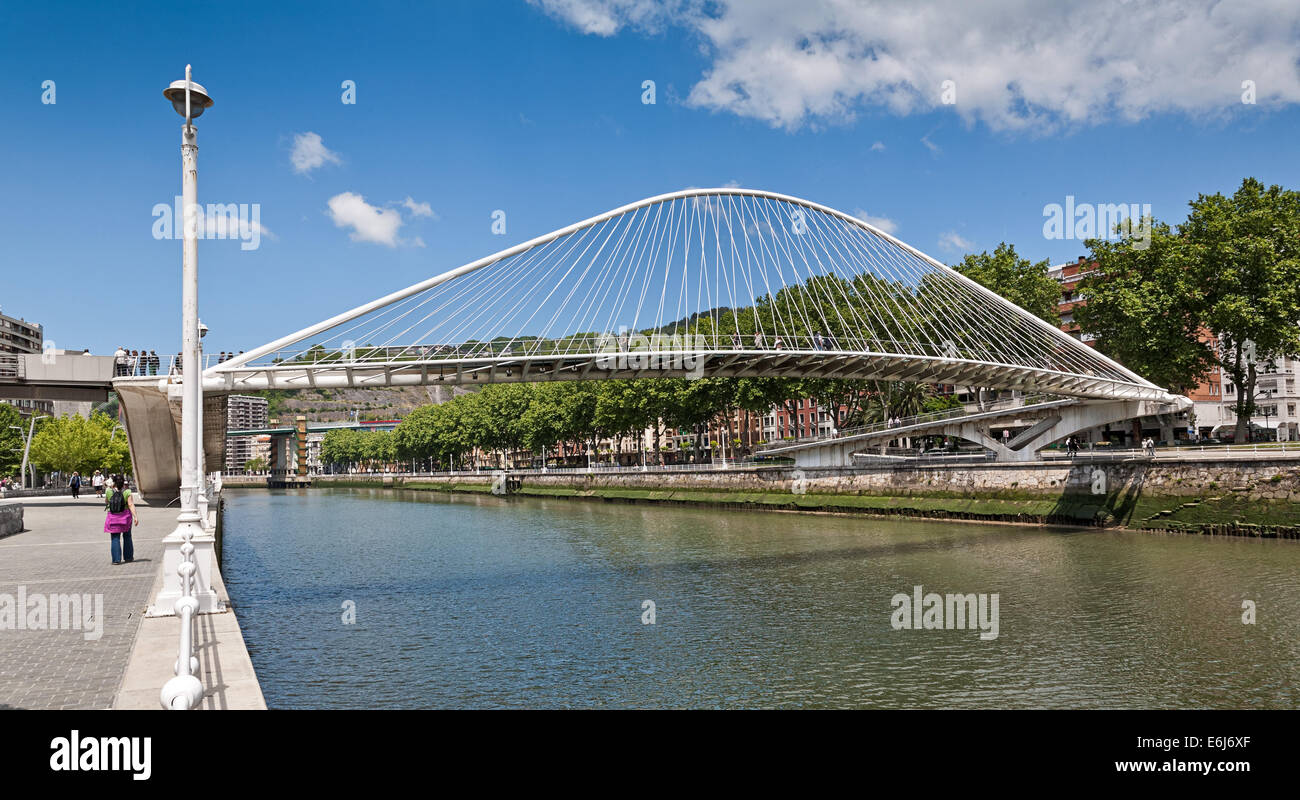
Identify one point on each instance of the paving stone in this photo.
(63, 551)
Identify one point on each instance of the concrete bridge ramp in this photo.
(153, 426)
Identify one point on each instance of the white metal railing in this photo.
(716, 464)
(184, 691)
(151, 364)
(11, 365)
(1174, 453)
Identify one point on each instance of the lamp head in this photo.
(199, 99)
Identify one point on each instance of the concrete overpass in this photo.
(39, 376)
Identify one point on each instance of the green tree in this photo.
(1016, 279)
(1145, 308)
(69, 443)
(117, 447)
(1246, 251)
(11, 441)
(1223, 289)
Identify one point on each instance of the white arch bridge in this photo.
(701, 282)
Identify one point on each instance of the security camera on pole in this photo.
(190, 536)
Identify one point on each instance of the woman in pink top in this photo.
(121, 517)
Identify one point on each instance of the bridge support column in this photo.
(828, 455)
(300, 436)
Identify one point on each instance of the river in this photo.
(486, 602)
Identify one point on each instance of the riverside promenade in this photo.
(109, 655)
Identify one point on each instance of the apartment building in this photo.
(243, 412)
(17, 337)
(1277, 401)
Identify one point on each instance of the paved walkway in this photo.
(109, 656)
(63, 550)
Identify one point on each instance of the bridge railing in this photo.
(1283, 449)
(146, 365)
(11, 365)
(623, 343)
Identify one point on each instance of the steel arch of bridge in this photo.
(901, 315)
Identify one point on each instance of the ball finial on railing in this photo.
(181, 693)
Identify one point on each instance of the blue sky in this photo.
(535, 109)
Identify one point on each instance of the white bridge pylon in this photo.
(701, 282)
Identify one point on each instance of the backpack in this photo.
(117, 502)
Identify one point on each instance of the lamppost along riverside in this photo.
(27, 448)
(187, 557)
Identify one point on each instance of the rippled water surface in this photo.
(485, 602)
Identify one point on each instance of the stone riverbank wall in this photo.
(1259, 497)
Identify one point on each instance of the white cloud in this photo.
(877, 147)
(883, 223)
(953, 241)
(931, 146)
(368, 223)
(1017, 65)
(607, 17)
(310, 153)
(232, 226)
(419, 209)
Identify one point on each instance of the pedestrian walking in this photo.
(97, 483)
(153, 362)
(119, 362)
(75, 485)
(119, 519)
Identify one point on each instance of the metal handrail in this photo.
(628, 344)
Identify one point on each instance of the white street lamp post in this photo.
(27, 448)
(187, 558)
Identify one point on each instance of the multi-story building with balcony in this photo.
(19, 337)
(1277, 403)
(243, 412)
